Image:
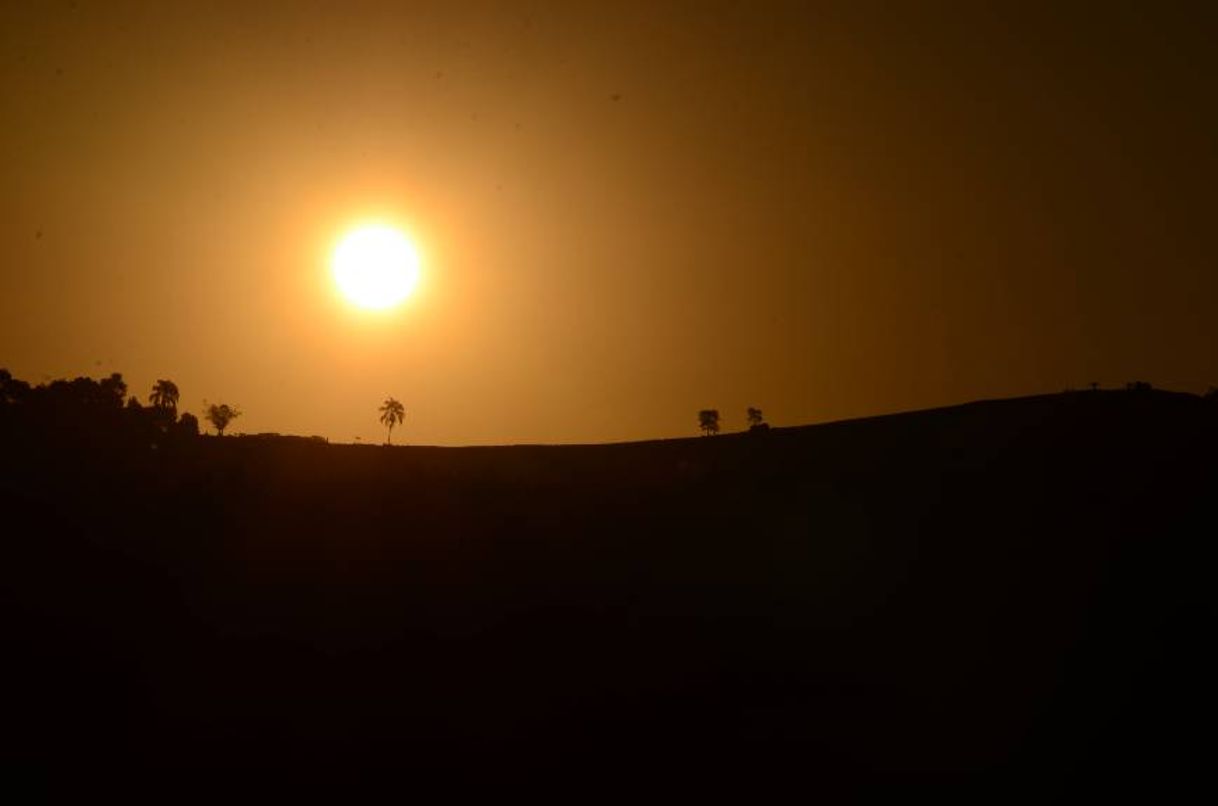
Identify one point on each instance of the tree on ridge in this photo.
(165, 396)
(392, 413)
(221, 415)
(755, 417)
(708, 421)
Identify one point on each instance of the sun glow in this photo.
(376, 267)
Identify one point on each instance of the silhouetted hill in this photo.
(1006, 588)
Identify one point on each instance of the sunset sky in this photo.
(624, 212)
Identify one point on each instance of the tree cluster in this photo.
(87, 410)
(708, 421)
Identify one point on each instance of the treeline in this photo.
(89, 411)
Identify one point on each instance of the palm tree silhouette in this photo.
(708, 421)
(165, 395)
(392, 413)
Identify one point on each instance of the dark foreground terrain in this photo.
(1006, 589)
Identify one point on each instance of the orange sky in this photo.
(626, 214)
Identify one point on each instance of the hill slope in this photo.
(1007, 586)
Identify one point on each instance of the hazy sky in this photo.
(626, 211)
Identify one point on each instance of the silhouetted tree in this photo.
(708, 421)
(221, 415)
(165, 396)
(12, 390)
(755, 418)
(113, 390)
(1211, 394)
(392, 413)
(188, 425)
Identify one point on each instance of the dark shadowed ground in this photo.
(1000, 590)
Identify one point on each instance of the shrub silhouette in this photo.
(708, 421)
(392, 413)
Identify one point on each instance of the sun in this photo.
(375, 266)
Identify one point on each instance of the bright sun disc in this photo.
(375, 267)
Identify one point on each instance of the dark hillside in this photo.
(1003, 587)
